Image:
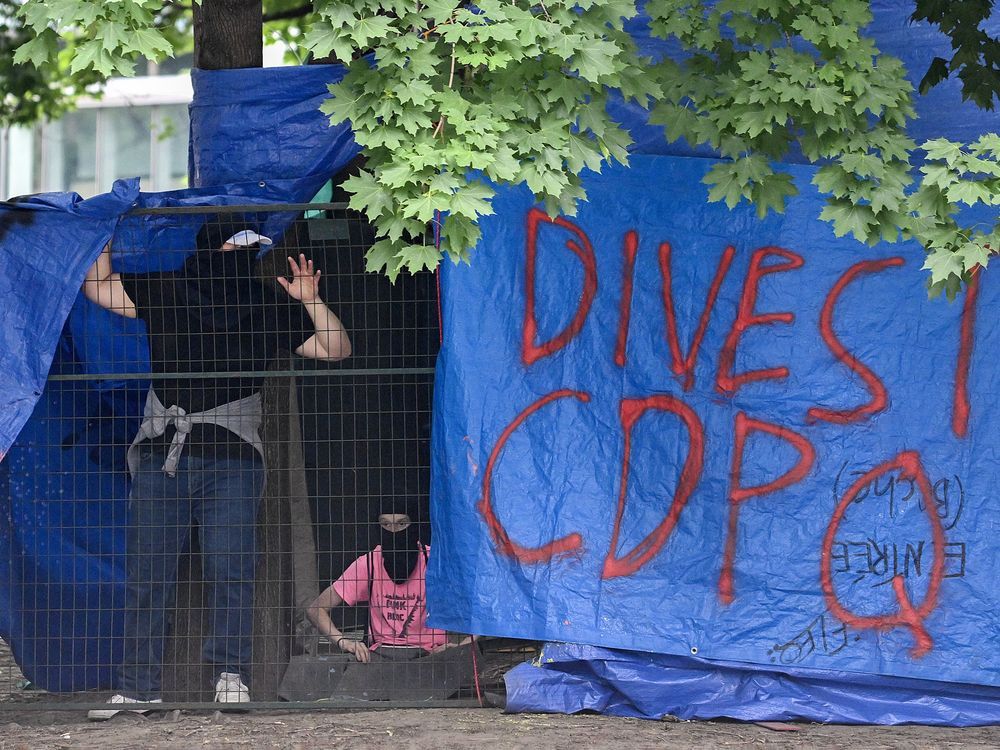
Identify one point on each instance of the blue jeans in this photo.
(222, 496)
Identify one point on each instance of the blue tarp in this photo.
(265, 124)
(558, 474)
(573, 678)
(589, 489)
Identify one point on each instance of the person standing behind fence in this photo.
(198, 457)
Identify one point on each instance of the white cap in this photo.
(247, 237)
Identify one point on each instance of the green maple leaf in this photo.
(416, 91)
(753, 122)
(595, 59)
(149, 43)
(36, 14)
(92, 55)
(939, 175)
(322, 39)
(112, 35)
(504, 165)
(834, 179)
(413, 120)
(364, 30)
(825, 99)
(973, 254)
(439, 10)
(416, 258)
(941, 149)
(725, 184)
(40, 51)
(382, 256)
(771, 193)
(472, 57)
(424, 206)
(459, 236)
(988, 142)
(472, 200)
(885, 198)
(848, 218)
(969, 193)
(942, 264)
(339, 15)
(367, 195)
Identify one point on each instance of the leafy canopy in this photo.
(457, 98)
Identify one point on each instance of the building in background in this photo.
(139, 128)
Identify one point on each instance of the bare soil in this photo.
(449, 729)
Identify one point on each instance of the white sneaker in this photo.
(103, 714)
(230, 689)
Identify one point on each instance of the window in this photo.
(69, 153)
(170, 153)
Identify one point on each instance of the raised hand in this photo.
(304, 285)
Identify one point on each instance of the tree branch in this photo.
(284, 15)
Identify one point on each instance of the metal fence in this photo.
(198, 565)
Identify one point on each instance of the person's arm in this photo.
(104, 287)
(319, 615)
(330, 342)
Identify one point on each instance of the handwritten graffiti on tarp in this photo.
(901, 479)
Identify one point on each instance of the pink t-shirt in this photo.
(397, 612)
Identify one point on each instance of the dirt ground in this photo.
(25, 728)
(449, 729)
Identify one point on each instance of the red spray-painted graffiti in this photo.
(739, 494)
(681, 365)
(909, 466)
(503, 542)
(629, 250)
(631, 410)
(727, 382)
(880, 397)
(960, 409)
(531, 352)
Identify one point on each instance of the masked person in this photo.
(391, 580)
(212, 327)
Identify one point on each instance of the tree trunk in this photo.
(228, 34)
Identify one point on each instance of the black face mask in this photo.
(401, 552)
(220, 287)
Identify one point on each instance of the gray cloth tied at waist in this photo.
(243, 418)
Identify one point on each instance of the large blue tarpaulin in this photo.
(702, 433)
(577, 503)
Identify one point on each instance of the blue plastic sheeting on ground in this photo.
(800, 495)
(575, 678)
(265, 124)
(940, 113)
(63, 482)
